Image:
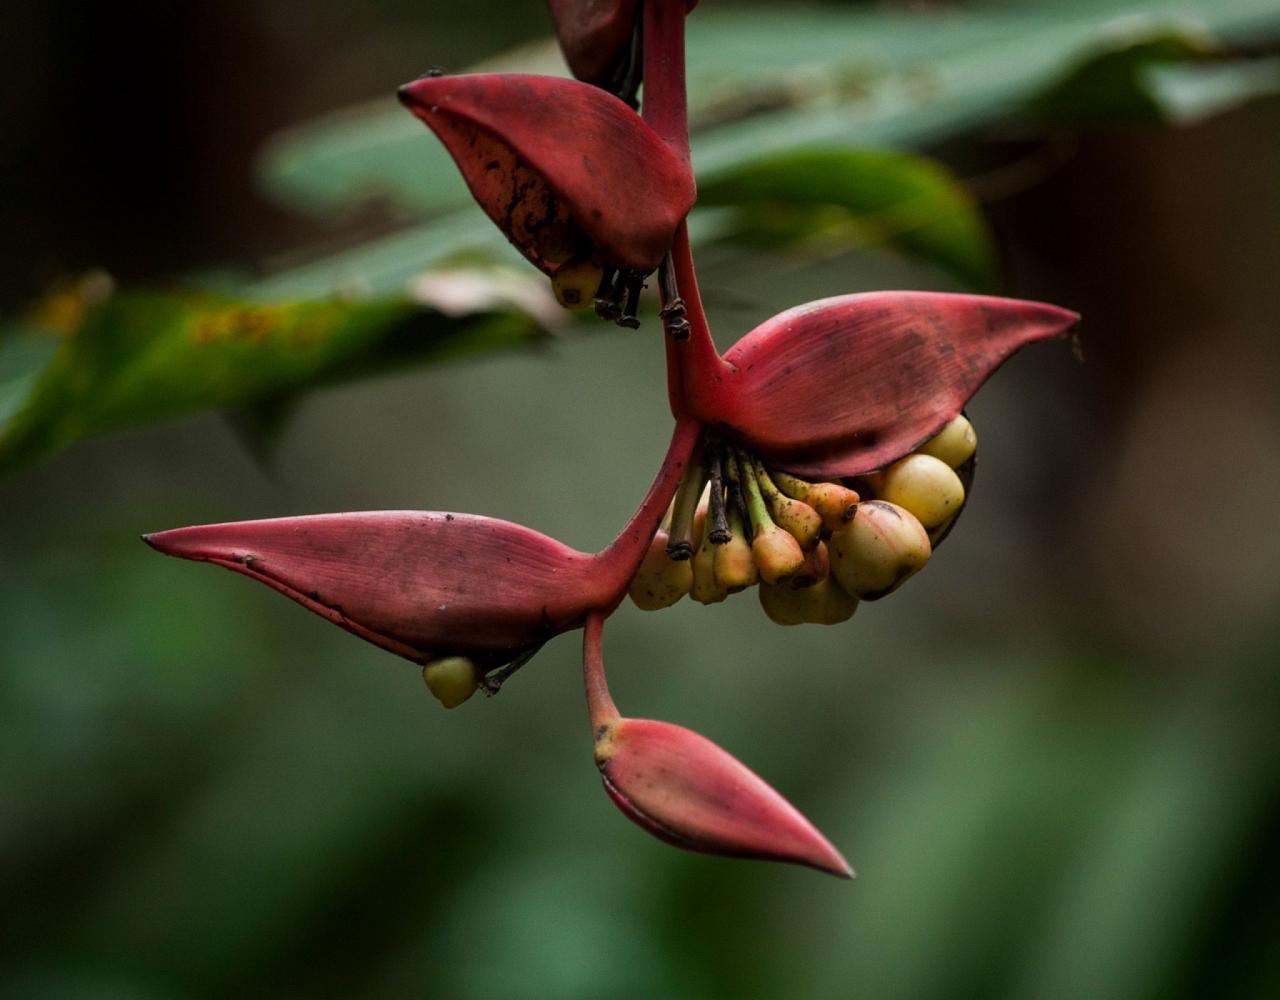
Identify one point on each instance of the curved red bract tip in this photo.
(848, 384)
(419, 584)
(532, 146)
(685, 790)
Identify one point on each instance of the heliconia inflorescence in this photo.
(821, 459)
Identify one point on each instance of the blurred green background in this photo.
(1053, 757)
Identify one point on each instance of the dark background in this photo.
(1053, 758)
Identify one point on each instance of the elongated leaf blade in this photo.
(139, 357)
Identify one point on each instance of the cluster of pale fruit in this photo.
(814, 549)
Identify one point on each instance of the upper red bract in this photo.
(528, 145)
(848, 384)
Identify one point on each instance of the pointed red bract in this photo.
(420, 584)
(537, 151)
(595, 35)
(848, 384)
(684, 789)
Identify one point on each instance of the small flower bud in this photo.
(660, 581)
(777, 554)
(576, 282)
(825, 603)
(926, 486)
(735, 568)
(452, 680)
(706, 589)
(834, 503)
(878, 550)
(954, 444)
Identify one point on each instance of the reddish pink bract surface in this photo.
(683, 788)
(848, 384)
(534, 147)
(420, 584)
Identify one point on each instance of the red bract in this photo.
(563, 168)
(848, 384)
(421, 584)
(684, 789)
(427, 584)
(596, 35)
(681, 787)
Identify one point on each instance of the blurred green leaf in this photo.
(1176, 77)
(142, 356)
(775, 80)
(837, 197)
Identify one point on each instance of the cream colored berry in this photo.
(954, 444)
(660, 581)
(878, 550)
(452, 680)
(575, 283)
(825, 603)
(926, 486)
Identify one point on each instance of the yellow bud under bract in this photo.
(777, 554)
(734, 566)
(825, 603)
(798, 519)
(954, 444)
(660, 581)
(452, 680)
(834, 503)
(706, 588)
(576, 282)
(878, 550)
(926, 486)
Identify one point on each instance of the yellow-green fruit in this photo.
(777, 554)
(575, 283)
(660, 581)
(954, 444)
(878, 550)
(452, 680)
(825, 603)
(735, 568)
(926, 486)
(706, 588)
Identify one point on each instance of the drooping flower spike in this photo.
(866, 390)
(578, 183)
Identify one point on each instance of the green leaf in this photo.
(835, 197)
(769, 81)
(145, 356)
(1178, 77)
